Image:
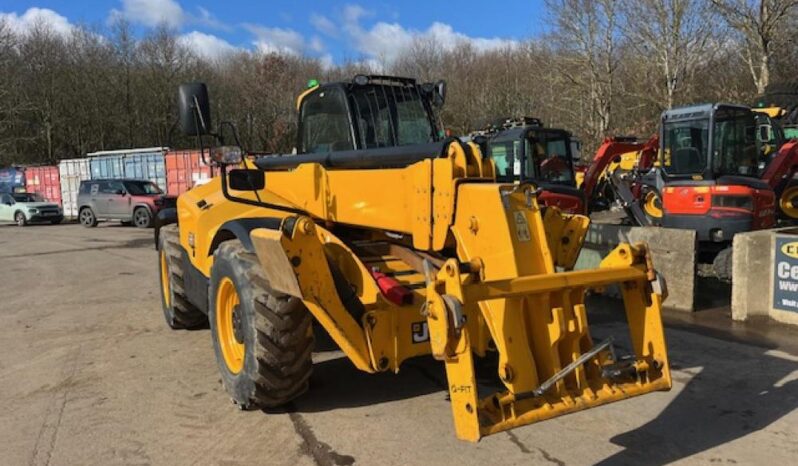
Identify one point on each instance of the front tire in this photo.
(177, 310)
(263, 340)
(87, 217)
(722, 265)
(20, 219)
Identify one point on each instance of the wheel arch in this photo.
(139, 205)
(164, 217)
(240, 229)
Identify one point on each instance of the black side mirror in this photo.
(119, 192)
(194, 108)
(439, 93)
(247, 180)
(764, 133)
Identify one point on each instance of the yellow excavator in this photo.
(399, 242)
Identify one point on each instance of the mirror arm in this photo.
(257, 203)
(198, 115)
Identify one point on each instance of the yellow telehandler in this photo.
(398, 241)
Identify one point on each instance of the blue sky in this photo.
(330, 30)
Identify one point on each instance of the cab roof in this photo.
(699, 111)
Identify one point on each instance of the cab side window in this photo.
(90, 188)
(111, 187)
(325, 123)
(6, 199)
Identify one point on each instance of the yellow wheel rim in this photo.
(226, 319)
(652, 205)
(789, 202)
(166, 289)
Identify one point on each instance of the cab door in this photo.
(6, 208)
(118, 203)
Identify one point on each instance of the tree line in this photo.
(603, 67)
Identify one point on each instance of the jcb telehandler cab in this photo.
(399, 243)
(523, 150)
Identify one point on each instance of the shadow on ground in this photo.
(715, 407)
(737, 390)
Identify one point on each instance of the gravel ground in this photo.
(90, 374)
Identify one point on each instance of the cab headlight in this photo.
(736, 202)
(33, 211)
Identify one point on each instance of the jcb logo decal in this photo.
(420, 332)
(791, 249)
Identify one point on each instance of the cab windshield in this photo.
(381, 116)
(684, 147)
(547, 159)
(734, 143)
(139, 188)
(27, 197)
(550, 158)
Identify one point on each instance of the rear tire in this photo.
(263, 340)
(142, 217)
(87, 217)
(722, 265)
(177, 310)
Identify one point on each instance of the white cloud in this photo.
(326, 61)
(207, 46)
(276, 40)
(34, 16)
(152, 12)
(317, 45)
(353, 13)
(324, 25)
(206, 18)
(386, 41)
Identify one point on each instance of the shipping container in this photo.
(107, 167)
(72, 172)
(45, 181)
(141, 164)
(147, 166)
(185, 169)
(11, 179)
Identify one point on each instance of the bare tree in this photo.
(762, 25)
(674, 35)
(587, 35)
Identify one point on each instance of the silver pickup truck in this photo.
(25, 208)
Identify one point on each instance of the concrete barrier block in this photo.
(752, 274)
(673, 252)
(761, 271)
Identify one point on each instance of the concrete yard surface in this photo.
(90, 374)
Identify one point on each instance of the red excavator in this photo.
(712, 176)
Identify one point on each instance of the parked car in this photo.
(25, 208)
(129, 201)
